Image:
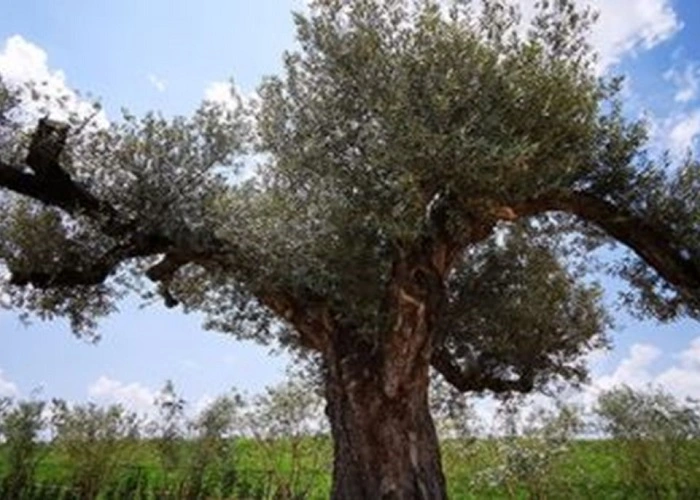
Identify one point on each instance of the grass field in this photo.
(651, 450)
(478, 469)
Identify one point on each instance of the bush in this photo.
(212, 462)
(93, 441)
(529, 460)
(20, 427)
(656, 435)
(283, 421)
(169, 428)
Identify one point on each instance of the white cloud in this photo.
(137, 397)
(686, 81)
(7, 388)
(624, 27)
(684, 129)
(22, 62)
(681, 379)
(633, 370)
(690, 358)
(159, 84)
(134, 396)
(637, 370)
(681, 382)
(684, 379)
(204, 401)
(222, 93)
(628, 26)
(678, 132)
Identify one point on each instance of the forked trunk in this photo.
(385, 444)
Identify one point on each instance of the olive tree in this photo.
(427, 174)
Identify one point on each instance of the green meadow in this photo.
(504, 468)
(628, 444)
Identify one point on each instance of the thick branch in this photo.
(47, 144)
(51, 185)
(651, 243)
(59, 192)
(93, 274)
(474, 378)
(311, 318)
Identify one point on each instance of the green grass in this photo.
(587, 469)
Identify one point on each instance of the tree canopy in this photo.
(398, 128)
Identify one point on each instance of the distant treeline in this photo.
(275, 446)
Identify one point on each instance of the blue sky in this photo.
(168, 55)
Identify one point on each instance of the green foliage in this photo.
(452, 411)
(414, 155)
(141, 167)
(530, 460)
(522, 312)
(20, 428)
(648, 448)
(212, 460)
(168, 429)
(656, 433)
(282, 419)
(653, 414)
(391, 108)
(397, 127)
(93, 440)
(8, 128)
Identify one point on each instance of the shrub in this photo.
(20, 427)
(93, 441)
(530, 460)
(169, 428)
(657, 435)
(211, 462)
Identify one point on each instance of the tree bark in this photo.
(385, 443)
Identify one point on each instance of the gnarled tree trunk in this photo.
(385, 443)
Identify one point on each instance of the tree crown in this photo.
(459, 140)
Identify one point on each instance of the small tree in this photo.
(422, 168)
(93, 440)
(20, 428)
(282, 420)
(211, 459)
(169, 427)
(457, 424)
(536, 446)
(656, 433)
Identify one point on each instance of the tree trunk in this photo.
(385, 444)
